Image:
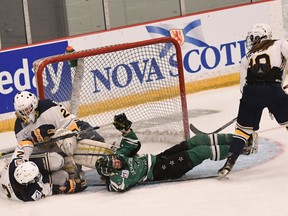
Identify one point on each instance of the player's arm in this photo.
(284, 48)
(35, 191)
(61, 122)
(40, 190)
(243, 72)
(23, 149)
(129, 144)
(284, 52)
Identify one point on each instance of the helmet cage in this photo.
(27, 111)
(25, 104)
(36, 179)
(257, 33)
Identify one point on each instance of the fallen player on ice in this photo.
(122, 172)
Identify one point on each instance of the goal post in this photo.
(144, 79)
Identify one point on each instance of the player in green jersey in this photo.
(123, 172)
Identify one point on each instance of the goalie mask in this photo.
(25, 104)
(257, 33)
(27, 173)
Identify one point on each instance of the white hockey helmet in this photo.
(27, 173)
(257, 33)
(25, 104)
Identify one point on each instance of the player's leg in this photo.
(50, 165)
(279, 106)
(49, 161)
(199, 139)
(248, 118)
(177, 165)
(183, 146)
(172, 167)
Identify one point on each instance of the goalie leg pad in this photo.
(71, 168)
(88, 152)
(67, 145)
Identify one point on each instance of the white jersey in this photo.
(48, 113)
(11, 189)
(273, 58)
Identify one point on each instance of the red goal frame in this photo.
(39, 67)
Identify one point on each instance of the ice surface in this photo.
(257, 186)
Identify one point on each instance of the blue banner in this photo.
(16, 70)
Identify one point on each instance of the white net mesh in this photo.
(140, 79)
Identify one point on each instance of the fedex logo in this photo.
(58, 76)
(16, 71)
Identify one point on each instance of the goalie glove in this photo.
(121, 122)
(43, 133)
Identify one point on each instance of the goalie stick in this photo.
(52, 140)
(197, 131)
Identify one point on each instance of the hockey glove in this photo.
(75, 185)
(226, 169)
(43, 133)
(121, 122)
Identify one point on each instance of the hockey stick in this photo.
(55, 139)
(197, 131)
(92, 154)
(160, 181)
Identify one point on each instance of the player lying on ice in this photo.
(23, 180)
(33, 177)
(122, 172)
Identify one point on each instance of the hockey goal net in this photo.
(142, 79)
